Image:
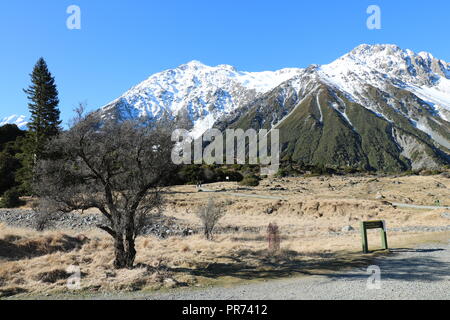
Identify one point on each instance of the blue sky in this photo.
(123, 42)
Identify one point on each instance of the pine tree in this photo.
(43, 95)
(44, 122)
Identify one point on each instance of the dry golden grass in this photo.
(35, 263)
(189, 261)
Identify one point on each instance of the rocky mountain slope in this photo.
(378, 107)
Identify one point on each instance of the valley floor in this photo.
(320, 244)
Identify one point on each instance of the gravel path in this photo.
(422, 273)
(414, 206)
(259, 196)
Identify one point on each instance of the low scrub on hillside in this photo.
(250, 181)
(11, 199)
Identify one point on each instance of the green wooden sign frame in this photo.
(377, 224)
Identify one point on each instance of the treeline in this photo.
(19, 149)
(293, 169)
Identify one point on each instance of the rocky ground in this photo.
(160, 226)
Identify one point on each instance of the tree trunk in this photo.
(125, 252)
(130, 251)
(119, 252)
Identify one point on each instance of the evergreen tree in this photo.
(10, 137)
(44, 122)
(43, 95)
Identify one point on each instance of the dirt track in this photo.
(256, 196)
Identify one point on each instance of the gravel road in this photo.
(422, 273)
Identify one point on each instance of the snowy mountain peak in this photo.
(398, 62)
(389, 65)
(195, 92)
(227, 67)
(198, 95)
(367, 49)
(20, 121)
(194, 64)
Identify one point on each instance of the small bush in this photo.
(193, 174)
(11, 199)
(250, 181)
(430, 172)
(232, 176)
(273, 237)
(44, 216)
(210, 215)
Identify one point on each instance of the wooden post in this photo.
(365, 245)
(384, 236)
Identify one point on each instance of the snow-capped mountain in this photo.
(377, 107)
(195, 92)
(20, 121)
(383, 65)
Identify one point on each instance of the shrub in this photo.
(8, 168)
(9, 133)
(209, 215)
(233, 175)
(250, 181)
(430, 172)
(11, 199)
(191, 174)
(273, 237)
(44, 216)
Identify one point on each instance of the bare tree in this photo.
(210, 214)
(119, 168)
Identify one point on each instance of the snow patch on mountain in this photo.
(20, 121)
(438, 96)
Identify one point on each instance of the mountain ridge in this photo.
(404, 97)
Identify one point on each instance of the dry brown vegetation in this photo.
(310, 217)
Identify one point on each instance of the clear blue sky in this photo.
(123, 42)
